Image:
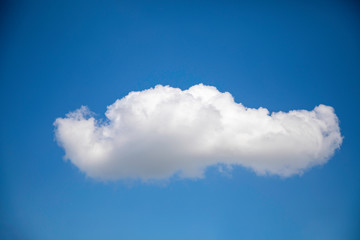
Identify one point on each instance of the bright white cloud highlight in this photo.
(164, 131)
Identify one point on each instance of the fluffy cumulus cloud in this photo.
(164, 131)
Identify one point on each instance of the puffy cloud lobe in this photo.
(164, 131)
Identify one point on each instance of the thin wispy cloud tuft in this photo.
(164, 131)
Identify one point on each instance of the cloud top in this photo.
(164, 131)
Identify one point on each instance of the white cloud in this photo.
(164, 131)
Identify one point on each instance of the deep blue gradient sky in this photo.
(55, 57)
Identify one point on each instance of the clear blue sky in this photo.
(56, 56)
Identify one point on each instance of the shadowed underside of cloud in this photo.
(164, 131)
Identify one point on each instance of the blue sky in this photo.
(58, 56)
